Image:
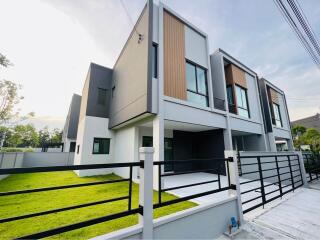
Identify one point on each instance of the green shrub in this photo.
(10, 150)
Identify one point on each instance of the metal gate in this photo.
(312, 166)
(264, 178)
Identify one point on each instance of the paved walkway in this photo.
(297, 217)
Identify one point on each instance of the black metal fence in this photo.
(78, 225)
(312, 166)
(266, 178)
(219, 168)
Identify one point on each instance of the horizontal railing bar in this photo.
(61, 187)
(67, 168)
(250, 200)
(268, 169)
(182, 199)
(286, 179)
(252, 208)
(190, 161)
(10, 219)
(273, 198)
(297, 182)
(271, 192)
(87, 223)
(284, 167)
(251, 190)
(245, 173)
(188, 172)
(270, 176)
(188, 185)
(242, 183)
(270, 184)
(295, 165)
(290, 155)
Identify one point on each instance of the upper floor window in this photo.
(102, 96)
(242, 101)
(154, 60)
(197, 89)
(230, 99)
(101, 146)
(277, 117)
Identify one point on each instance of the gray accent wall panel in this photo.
(71, 124)
(100, 78)
(131, 76)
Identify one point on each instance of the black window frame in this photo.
(274, 115)
(154, 60)
(196, 77)
(101, 147)
(99, 97)
(246, 93)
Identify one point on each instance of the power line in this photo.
(299, 23)
(131, 21)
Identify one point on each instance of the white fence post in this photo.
(146, 192)
(303, 170)
(234, 179)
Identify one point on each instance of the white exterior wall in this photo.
(89, 128)
(126, 149)
(66, 144)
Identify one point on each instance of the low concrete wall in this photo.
(46, 159)
(201, 222)
(10, 160)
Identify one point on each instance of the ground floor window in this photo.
(101, 146)
(72, 147)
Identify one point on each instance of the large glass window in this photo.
(197, 89)
(101, 146)
(242, 105)
(277, 117)
(231, 104)
(154, 60)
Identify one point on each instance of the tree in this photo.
(4, 61)
(56, 136)
(23, 136)
(297, 132)
(44, 136)
(312, 138)
(9, 98)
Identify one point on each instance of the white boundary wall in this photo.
(34, 159)
(10, 160)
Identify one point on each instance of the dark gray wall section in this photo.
(198, 145)
(74, 116)
(100, 77)
(71, 125)
(265, 105)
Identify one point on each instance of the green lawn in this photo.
(17, 205)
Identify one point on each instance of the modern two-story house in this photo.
(276, 117)
(70, 129)
(166, 91)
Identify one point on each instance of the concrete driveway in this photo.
(296, 217)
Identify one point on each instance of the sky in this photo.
(52, 42)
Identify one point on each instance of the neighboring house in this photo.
(309, 122)
(69, 135)
(277, 121)
(237, 86)
(166, 91)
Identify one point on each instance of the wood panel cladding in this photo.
(174, 57)
(235, 75)
(273, 95)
